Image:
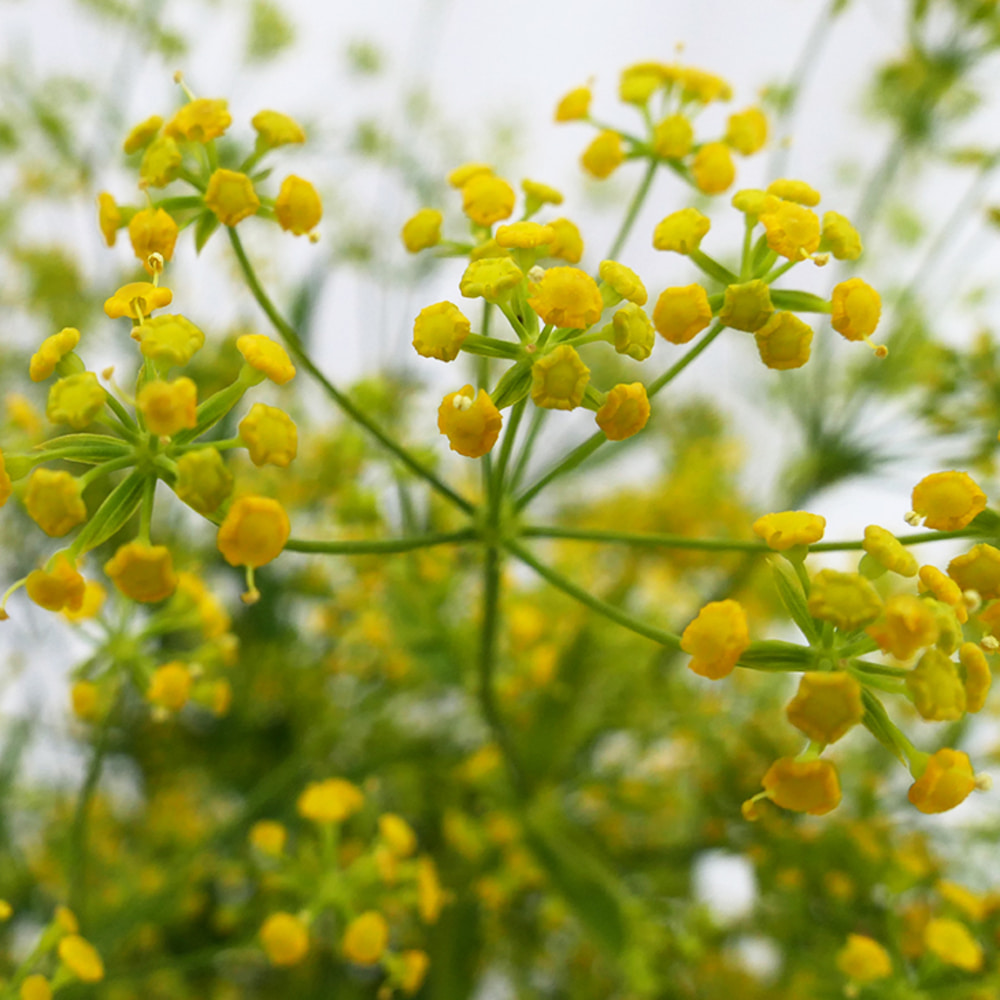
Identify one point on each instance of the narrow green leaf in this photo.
(206, 225)
(790, 592)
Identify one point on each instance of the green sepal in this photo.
(119, 505)
(799, 301)
(207, 224)
(790, 592)
(489, 347)
(878, 723)
(513, 386)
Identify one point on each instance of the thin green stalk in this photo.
(635, 206)
(510, 435)
(380, 546)
(671, 373)
(538, 417)
(294, 343)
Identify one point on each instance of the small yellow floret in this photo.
(461, 176)
(276, 129)
(537, 194)
(75, 400)
(285, 939)
(634, 333)
(840, 237)
(673, 137)
(491, 278)
(298, 207)
(568, 245)
(713, 168)
(137, 300)
(953, 943)
(85, 700)
(574, 105)
(253, 532)
(936, 688)
(792, 231)
(746, 131)
(864, 960)
(567, 297)
(142, 134)
(168, 407)
(6, 486)
(625, 412)
(754, 202)
(889, 551)
(746, 306)
(170, 686)
(977, 676)
(470, 421)
(826, 706)
(330, 801)
(716, 639)
(947, 781)
(81, 958)
(604, 155)
(945, 590)
(422, 230)
(784, 342)
(789, 528)
(624, 281)
(160, 163)
(144, 573)
(109, 217)
(398, 834)
(525, 236)
(231, 197)
(809, 786)
(559, 379)
(978, 570)
(681, 231)
(856, 308)
(200, 120)
(680, 314)
(152, 231)
(702, 86)
(366, 938)
(948, 501)
(268, 837)
(430, 895)
(267, 356)
(52, 350)
(487, 199)
(638, 83)
(58, 588)
(270, 435)
(909, 624)
(170, 340)
(440, 330)
(203, 480)
(35, 987)
(792, 190)
(414, 970)
(846, 599)
(54, 502)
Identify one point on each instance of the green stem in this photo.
(294, 343)
(380, 546)
(635, 206)
(716, 271)
(671, 373)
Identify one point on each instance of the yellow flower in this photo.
(863, 959)
(398, 834)
(634, 333)
(889, 551)
(214, 618)
(23, 415)
(142, 134)
(946, 782)
(267, 356)
(746, 306)
(142, 572)
(936, 688)
(716, 639)
(487, 199)
(57, 589)
(680, 314)
(152, 232)
(978, 570)
(537, 194)
(681, 232)
(559, 379)
(203, 480)
(430, 895)
(784, 342)
(673, 137)
(470, 421)
(160, 163)
(792, 231)
(948, 501)
(977, 676)
(268, 837)
(200, 120)
(66, 920)
(85, 700)
(275, 129)
(297, 208)
(75, 400)
(461, 176)
(809, 786)
(567, 297)
(746, 131)
(330, 801)
(35, 987)
(945, 590)
(624, 281)
(109, 217)
(285, 939)
(170, 340)
(525, 236)
(753, 202)
(826, 706)
(792, 190)
(574, 105)
(137, 300)
(846, 599)
(168, 407)
(423, 230)
(415, 966)
(54, 502)
(440, 330)
(366, 938)
(840, 237)
(52, 350)
(491, 278)
(625, 411)
(699, 85)
(6, 486)
(170, 686)
(952, 942)
(639, 82)
(789, 528)
(230, 195)
(713, 168)
(568, 245)
(909, 624)
(253, 532)
(976, 905)
(81, 958)
(270, 436)
(604, 155)
(856, 309)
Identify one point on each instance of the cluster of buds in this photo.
(371, 890)
(931, 662)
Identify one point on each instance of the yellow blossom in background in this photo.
(6, 486)
(568, 245)
(85, 700)
(415, 966)
(276, 129)
(633, 331)
(54, 502)
(863, 959)
(461, 175)
(713, 169)
(161, 163)
(702, 86)
(253, 532)
(952, 942)
(366, 938)
(978, 570)
(430, 895)
(330, 801)
(57, 589)
(142, 572)
(604, 155)
(267, 356)
(977, 678)
(170, 686)
(137, 300)
(680, 314)
(746, 131)
(809, 786)
(94, 596)
(673, 137)
(638, 83)
(203, 480)
(537, 194)
(784, 342)
(487, 199)
(846, 599)
(559, 379)
(716, 639)
(792, 230)
(470, 421)
(681, 232)
(948, 501)
(81, 958)
(52, 350)
(270, 435)
(398, 834)
(908, 624)
(625, 412)
(840, 237)
(889, 551)
(977, 906)
(200, 120)
(231, 197)
(109, 217)
(422, 230)
(789, 528)
(170, 340)
(152, 231)
(75, 400)
(574, 105)
(856, 309)
(298, 207)
(142, 135)
(946, 782)
(624, 281)
(567, 297)
(285, 939)
(793, 190)
(168, 407)
(35, 987)
(826, 706)
(268, 837)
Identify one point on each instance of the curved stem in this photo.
(294, 343)
(380, 546)
(635, 206)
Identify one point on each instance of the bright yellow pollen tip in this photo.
(847, 600)
(171, 340)
(673, 137)
(203, 480)
(54, 502)
(746, 131)
(792, 190)
(268, 837)
(856, 308)
(109, 217)
(713, 169)
(953, 943)
(200, 120)
(633, 331)
(908, 624)
(276, 129)
(784, 342)
(792, 230)
(35, 987)
(574, 105)
(889, 551)
(75, 400)
(624, 281)
(491, 278)
(978, 570)
(57, 589)
(461, 176)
